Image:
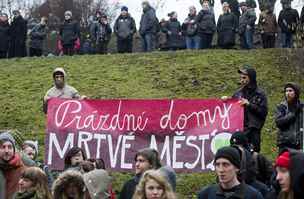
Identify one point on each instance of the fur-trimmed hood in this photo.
(64, 179)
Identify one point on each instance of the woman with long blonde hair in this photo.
(153, 185)
(33, 184)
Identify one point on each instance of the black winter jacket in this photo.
(256, 112)
(206, 22)
(101, 33)
(247, 18)
(38, 34)
(4, 35)
(227, 26)
(124, 27)
(189, 27)
(288, 20)
(148, 23)
(69, 32)
(129, 187)
(174, 39)
(241, 191)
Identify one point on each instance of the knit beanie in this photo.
(239, 138)
(124, 8)
(283, 160)
(229, 153)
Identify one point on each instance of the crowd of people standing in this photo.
(197, 31)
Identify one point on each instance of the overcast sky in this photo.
(181, 6)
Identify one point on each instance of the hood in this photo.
(59, 70)
(97, 183)
(251, 72)
(295, 87)
(64, 179)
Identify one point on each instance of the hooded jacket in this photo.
(288, 118)
(64, 179)
(255, 113)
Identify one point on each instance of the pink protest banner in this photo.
(186, 133)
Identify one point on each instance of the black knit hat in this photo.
(229, 153)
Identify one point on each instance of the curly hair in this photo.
(39, 180)
(157, 177)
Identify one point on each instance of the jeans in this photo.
(287, 40)
(193, 42)
(247, 39)
(148, 42)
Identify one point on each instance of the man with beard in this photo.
(60, 89)
(289, 118)
(254, 101)
(227, 164)
(11, 166)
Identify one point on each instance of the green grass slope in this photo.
(199, 74)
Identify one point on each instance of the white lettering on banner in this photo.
(125, 146)
(69, 143)
(203, 118)
(169, 147)
(95, 121)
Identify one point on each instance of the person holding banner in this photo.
(227, 164)
(289, 119)
(254, 101)
(145, 159)
(60, 89)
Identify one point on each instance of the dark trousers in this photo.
(102, 48)
(206, 40)
(3, 54)
(254, 138)
(68, 50)
(124, 45)
(35, 52)
(287, 40)
(268, 40)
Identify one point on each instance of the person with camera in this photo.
(101, 34)
(289, 118)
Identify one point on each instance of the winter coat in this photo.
(241, 191)
(247, 19)
(124, 27)
(255, 113)
(129, 187)
(100, 33)
(234, 7)
(4, 35)
(12, 172)
(69, 32)
(18, 33)
(2, 184)
(173, 31)
(268, 23)
(289, 120)
(189, 27)
(206, 22)
(149, 23)
(38, 35)
(288, 20)
(227, 26)
(64, 179)
(263, 167)
(302, 16)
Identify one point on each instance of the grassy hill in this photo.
(199, 74)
